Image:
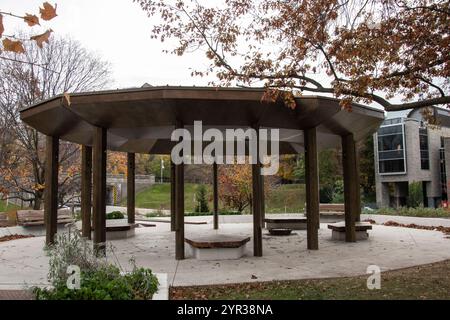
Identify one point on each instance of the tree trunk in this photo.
(38, 197)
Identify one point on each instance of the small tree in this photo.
(202, 202)
(415, 195)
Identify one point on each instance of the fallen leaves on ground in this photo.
(15, 237)
(443, 229)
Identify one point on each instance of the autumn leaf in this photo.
(67, 98)
(31, 19)
(41, 38)
(48, 12)
(1, 26)
(13, 46)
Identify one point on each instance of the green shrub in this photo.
(415, 194)
(411, 212)
(105, 283)
(202, 202)
(115, 215)
(98, 279)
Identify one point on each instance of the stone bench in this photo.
(119, 230)
(217, 247)
(29, 218)
(3, 219)
(286, 223)
(338, 230)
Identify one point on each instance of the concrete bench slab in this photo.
(286, 223)
(280, 232)
(338, 230)
(217, 247)
(29, 218)
(119, 230)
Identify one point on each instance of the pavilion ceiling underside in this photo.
(138, 123)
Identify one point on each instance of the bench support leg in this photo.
(86, 191)
(99, 197)
(312, 189)
(351, 186)
(131, 188)
(51, 189)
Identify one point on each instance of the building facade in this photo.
(411, 152)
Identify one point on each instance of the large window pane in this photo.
(424, 154)
(391, 149)
(392, 166)
(390, 142)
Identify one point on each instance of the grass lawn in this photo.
(424, 282)
(4, 207)
(284, 198)
(412, 212)
(158, 197)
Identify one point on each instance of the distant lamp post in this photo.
(162, 169)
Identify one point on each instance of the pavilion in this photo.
(142, 120)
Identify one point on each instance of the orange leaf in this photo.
(13, 46)
(31, 19)
(67, 97)
(41, 38)
(48, 12)
(1, 26)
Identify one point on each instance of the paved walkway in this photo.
(23, 262)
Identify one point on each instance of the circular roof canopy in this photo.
(142, 120)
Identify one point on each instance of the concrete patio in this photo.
(23, 262)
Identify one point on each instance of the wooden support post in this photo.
(86, 191)
(51, 188)
(351, 186)
(357, 182)
(131, 209)
(179, 205)
(256, 207)
(215, 197)
(312, 189)
(263, 202)
(172, 197)
(99, 188)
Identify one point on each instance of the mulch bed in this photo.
(15, 237)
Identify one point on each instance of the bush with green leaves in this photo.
(202, 202)
(415, 194)
(411, 212)
(99, 280)
(115, 215)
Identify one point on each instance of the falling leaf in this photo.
(67, 98)
(1, 26)
(13, 46)
(31, 19)
(41, 38)
(48, 12)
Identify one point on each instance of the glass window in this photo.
(424, 154)
(391, 149)
(391, 166)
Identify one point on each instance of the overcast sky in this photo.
(118, 30)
